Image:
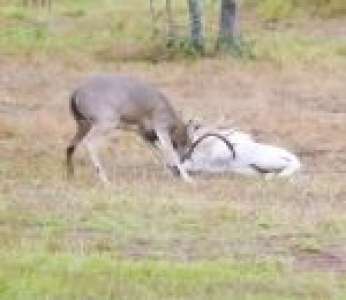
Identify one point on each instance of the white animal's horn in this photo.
(188, 154)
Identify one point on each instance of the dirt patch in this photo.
(322, 28)
(330, 259)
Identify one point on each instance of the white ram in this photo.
(237, 152)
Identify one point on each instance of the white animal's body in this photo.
(212, 155)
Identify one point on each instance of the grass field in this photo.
(151, 236)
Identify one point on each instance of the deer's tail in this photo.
(78, 116)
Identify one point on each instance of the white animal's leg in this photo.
(92, 144)
(269, 176)
(170, 155)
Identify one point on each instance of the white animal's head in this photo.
(198, 132)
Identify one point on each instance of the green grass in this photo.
(278, 10)
(275, 10)
(117, 32)
(66, 276)
(281, 48)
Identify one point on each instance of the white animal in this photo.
(245, 156)
(110, 102)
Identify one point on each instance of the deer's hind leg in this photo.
(92, 143)
(83, 127)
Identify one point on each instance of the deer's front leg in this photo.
(170, 155)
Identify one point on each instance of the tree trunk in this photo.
(38, 3)
(229, 27)
(171, 33)
(196, 24)
(155, 30)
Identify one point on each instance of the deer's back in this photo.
(108, 97)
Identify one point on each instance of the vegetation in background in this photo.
(276, 10)
(112, 31)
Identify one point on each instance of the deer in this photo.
(118, 102)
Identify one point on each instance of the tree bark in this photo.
(171, 32)
(153, 18)
(228, 26)
(38, 3)
(196, 24)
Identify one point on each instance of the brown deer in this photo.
(108, 102)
